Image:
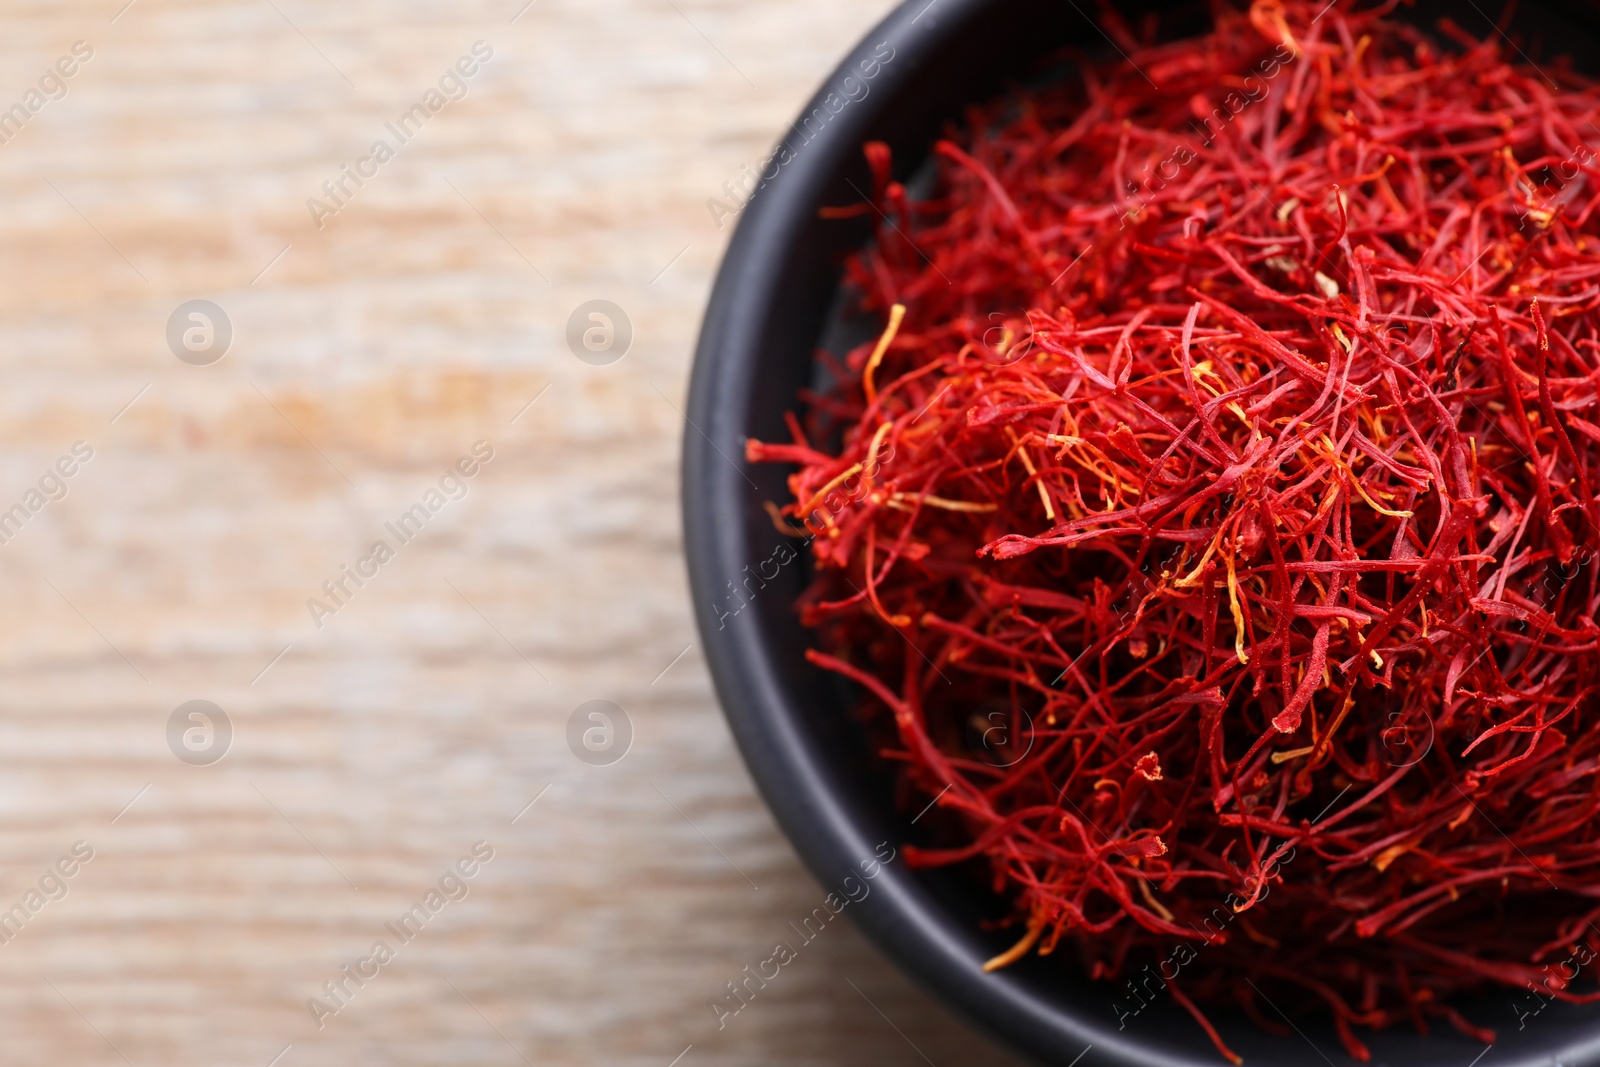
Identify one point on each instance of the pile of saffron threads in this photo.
(1212, 537)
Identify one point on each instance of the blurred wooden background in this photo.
(425, 715)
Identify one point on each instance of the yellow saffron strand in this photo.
(1016, 952)
(896, 313)
(1238, 613)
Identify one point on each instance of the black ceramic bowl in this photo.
(775, 301)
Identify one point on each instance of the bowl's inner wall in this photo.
(1000, 47)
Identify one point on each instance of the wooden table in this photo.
(374, 744)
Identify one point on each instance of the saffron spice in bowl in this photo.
(1211, 530)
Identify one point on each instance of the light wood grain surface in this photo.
(431, 708)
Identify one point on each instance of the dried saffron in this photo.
(1233, 435)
